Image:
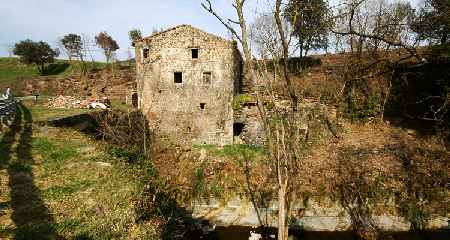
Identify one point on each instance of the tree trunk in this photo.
(40, 67)
(282, 226)
(284, 42)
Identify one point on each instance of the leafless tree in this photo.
(265, 38)
(281, 124)
(10, 49)
(89, 46)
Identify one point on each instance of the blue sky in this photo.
(47, 20)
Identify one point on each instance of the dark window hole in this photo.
(178, 77)
(194, 52)
(238, 128)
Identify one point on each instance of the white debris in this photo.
(254, 236)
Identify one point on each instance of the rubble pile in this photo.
(73, 102)
(66, 102)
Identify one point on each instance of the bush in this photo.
(130, 131)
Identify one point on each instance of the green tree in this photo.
(134, 35)
(309, 22)
(38, 53)
(107, 43)
(432, 21)
(73, 45)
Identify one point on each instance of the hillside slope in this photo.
(63, 77)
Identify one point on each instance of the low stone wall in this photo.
(8, 109)
(83, 122)
(314, 216)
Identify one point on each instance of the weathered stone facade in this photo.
(186, 80)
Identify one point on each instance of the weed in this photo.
(54, 154)
(200, 188)
(129, 155)
(68, 225)
(56, 192)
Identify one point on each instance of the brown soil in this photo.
(113, 84)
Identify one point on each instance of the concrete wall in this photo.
(173, 109)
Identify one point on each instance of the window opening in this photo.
(178, 77)
(207, 78)
(194, 52)
(134, 100)
(145, 53)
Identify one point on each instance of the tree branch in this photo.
(214, 13)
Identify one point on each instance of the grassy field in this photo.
(59, 184)
(11, 69)
(42, 113)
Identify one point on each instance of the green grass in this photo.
(233, 150)
(11, 69)
(120, 105)
(64, 185)
(42, 113)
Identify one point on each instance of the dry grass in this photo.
(376, 152)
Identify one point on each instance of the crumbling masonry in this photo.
(186, 81)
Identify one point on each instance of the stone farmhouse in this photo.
(186, 81)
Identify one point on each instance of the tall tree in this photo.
(38, 53)
(73, 45)
(280, 126)
(432, 22)
(309, 21)
(107, 43)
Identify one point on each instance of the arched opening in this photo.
(134, 100)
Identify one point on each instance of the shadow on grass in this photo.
(30, 215)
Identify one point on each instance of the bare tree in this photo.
(89, 45)
(281, 126)
(10, 49)
(264, 36)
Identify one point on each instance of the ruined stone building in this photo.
(186, 81)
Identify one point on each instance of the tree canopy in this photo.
(134, 35)
(73, 45)
(38, 53)
(107, 43)
(309, 21)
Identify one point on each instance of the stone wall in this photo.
(312, 215)
(195, 110)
